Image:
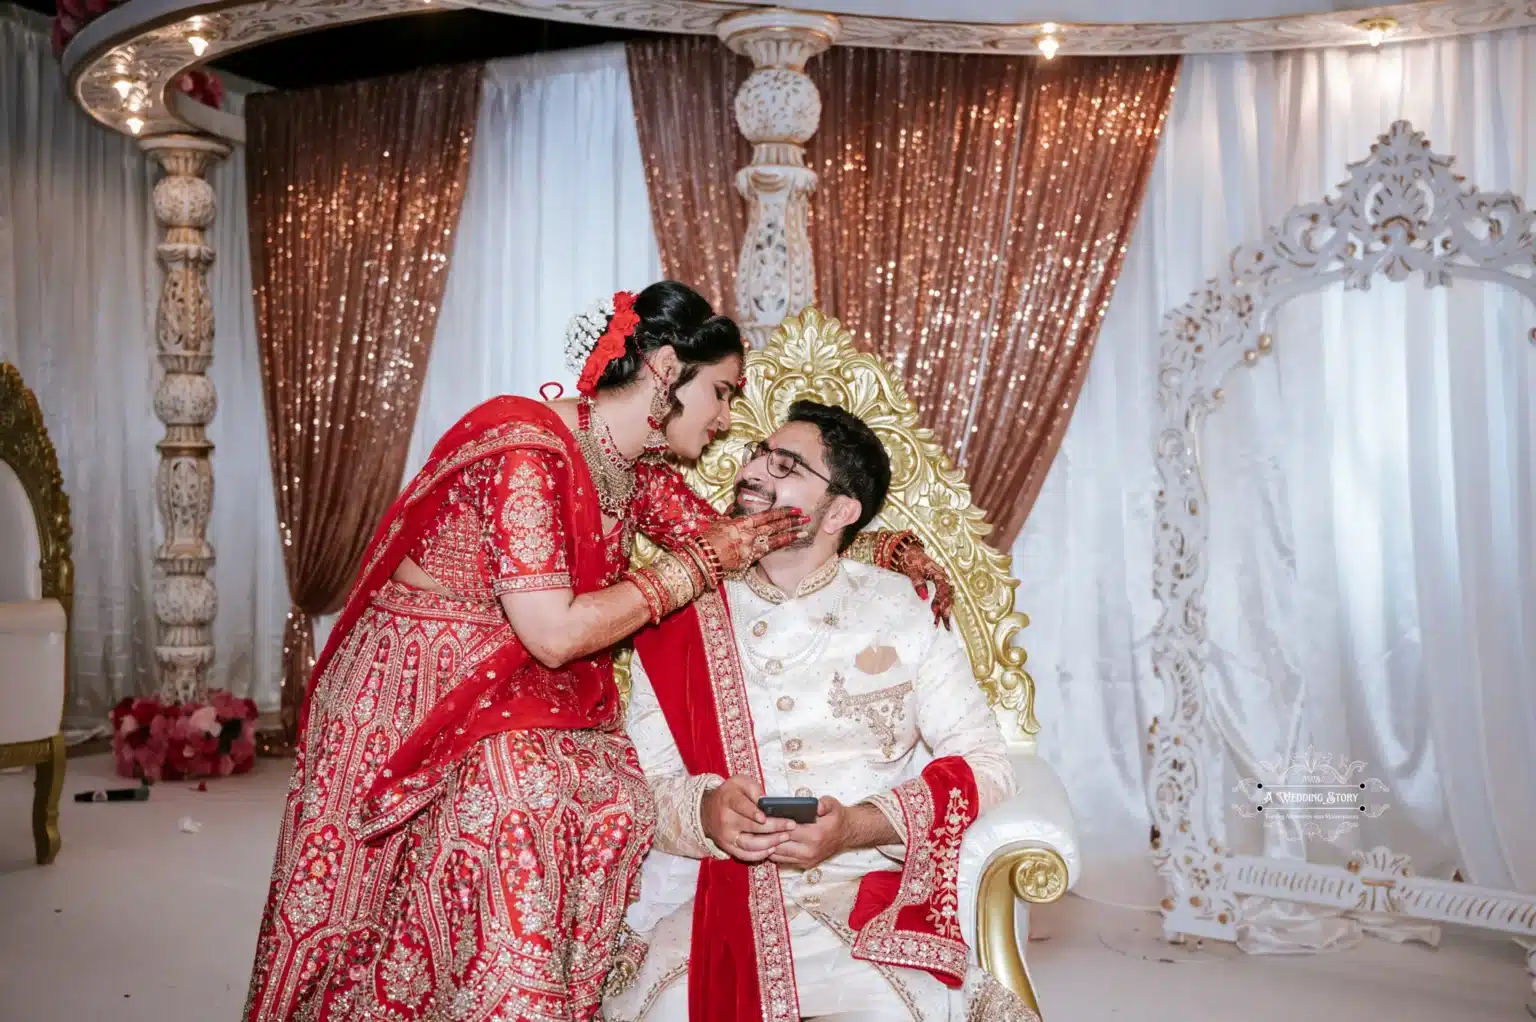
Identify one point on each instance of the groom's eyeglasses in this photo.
(780, 462)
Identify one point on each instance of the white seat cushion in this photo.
(32, 645)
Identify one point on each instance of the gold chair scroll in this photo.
(25, 447)
(812, 356)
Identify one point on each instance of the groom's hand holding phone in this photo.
(731, 819)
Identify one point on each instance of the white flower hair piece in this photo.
(582, 335)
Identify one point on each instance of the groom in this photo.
(809, 676)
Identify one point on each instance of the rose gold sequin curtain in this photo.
(969, 224)
(354, 195)
(684, 89)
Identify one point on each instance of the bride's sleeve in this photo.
(523, 530)
(666, 510)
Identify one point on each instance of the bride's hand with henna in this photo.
(740, 542)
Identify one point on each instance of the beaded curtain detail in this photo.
(354, 197)
(684, 91)
(970, 222)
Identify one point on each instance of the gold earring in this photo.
(656, 440)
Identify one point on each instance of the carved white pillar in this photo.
(185, 599)
(778, 110)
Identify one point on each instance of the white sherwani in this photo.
(852, 690)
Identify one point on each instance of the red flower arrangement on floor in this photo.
(156, 742)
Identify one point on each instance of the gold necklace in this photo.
(612, 473)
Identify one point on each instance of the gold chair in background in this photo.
(36, 601)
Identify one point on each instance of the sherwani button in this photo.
(802, 792)
(793, 745)
(760, 629)
(785, 703)
(774, 666)
(813, 877)
(797, 764)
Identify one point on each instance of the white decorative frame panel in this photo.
(1402, 211)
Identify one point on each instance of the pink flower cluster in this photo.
(156, 742)
(72, 15)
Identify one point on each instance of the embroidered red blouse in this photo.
(500, 530)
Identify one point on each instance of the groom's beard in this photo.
(771, 495)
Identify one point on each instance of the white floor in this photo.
(138, 920)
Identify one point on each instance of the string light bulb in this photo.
(1047, 41)
(1377, 29)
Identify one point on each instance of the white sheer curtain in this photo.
(78, 287)
(555, 215)
(253, 590)
(1372, 489)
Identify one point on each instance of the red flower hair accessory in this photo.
(590, 353)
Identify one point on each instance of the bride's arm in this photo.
(527, 543)
(557, 626)
(665, 509)
(669, 513)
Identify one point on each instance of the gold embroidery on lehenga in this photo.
(500, 880)
(527, 517)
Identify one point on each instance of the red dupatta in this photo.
(487, 700)
(739, 966)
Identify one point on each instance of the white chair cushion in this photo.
(32, 645)
(1038, 816)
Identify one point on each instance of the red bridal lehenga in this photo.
(464, 825)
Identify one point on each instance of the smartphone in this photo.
(801, 809)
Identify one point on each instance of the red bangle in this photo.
(655, 605)
(691, 560)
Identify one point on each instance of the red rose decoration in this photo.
(611, 345)
(184, 740)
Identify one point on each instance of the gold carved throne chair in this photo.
(1025, 851)
(36, 598)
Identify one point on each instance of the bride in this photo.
(467, 816)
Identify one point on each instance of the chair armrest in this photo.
(1037, 819)
(1024, 849)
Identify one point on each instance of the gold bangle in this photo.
(679, 585)
(865, 549)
